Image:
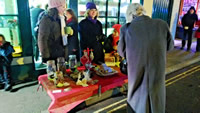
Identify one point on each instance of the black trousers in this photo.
(198, 44)
(189, 33)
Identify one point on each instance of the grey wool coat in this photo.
(49, 36)
(145, 42)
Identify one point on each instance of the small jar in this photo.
(51, 69)
(72, 62)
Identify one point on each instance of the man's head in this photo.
(134, 10)
(192, 10)
(2, 39)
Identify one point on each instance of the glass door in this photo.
(9, 24)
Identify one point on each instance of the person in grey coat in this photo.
(144, 42)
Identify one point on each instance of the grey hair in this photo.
(134, 10)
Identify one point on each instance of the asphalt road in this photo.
(183, 94)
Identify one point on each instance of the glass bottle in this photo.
(51, 69)
(72, 62)
(61, 65)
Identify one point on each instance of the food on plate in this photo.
(103, 69)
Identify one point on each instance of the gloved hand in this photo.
(2, 52)
(69, 31)
(101, 38)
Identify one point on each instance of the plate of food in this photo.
(104, 70)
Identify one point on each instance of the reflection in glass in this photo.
(135, 1)
(8, 7)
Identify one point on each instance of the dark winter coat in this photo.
(189, 19)
(6, 54)
(49, 38)
(145, 43)
(108, 44)
(73, 42)
(89, 32)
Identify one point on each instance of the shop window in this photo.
(82, 7)
(9, 24)
(101, 6)
(136, 1)
(123, 6)
(8, 7)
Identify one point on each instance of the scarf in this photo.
(63, 25)
(92, 20)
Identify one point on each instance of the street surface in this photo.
(183, 94)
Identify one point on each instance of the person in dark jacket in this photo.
(73, 42)
(91, 33)
(188, 22)
(6, 51)
(51, 32)
(34, 14)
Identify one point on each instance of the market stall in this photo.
(66, 98)
(70, 87)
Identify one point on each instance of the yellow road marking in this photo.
(110, 105)
(117, 108)
(181, 77)
(175, 79)
(181, 74)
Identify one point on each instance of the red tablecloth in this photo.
(63, 102)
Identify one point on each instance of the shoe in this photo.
(181, 48)
(188, 49)
(7, 87)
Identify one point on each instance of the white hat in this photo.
(56, 3)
